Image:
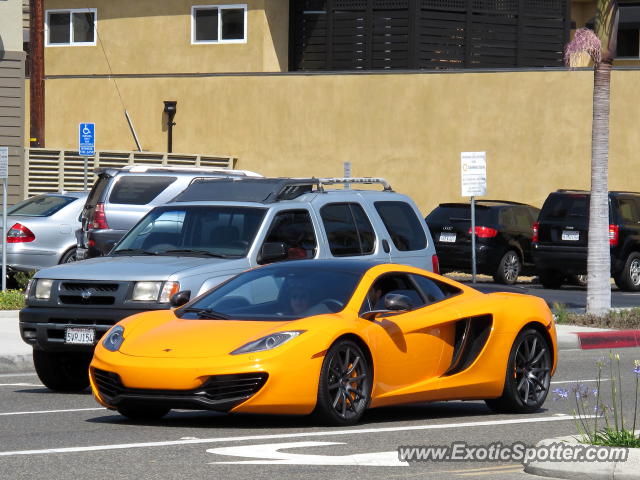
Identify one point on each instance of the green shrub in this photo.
(11, 300)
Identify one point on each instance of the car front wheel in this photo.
(629, 278)
(344, 390)
(62, 371)
(508, 268)
(528, 375)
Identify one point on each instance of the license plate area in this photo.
(447, 237)
(79, 336)
(570, 235)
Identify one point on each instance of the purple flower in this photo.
(560, 393)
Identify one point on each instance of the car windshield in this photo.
(41, 206)
(276, 293)
(207, 231)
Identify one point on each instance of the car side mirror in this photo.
(395, 302)
(180, 298)
(272, 252)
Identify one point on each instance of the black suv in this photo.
(561, 238)
(503, 237)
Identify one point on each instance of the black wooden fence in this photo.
(427, 34)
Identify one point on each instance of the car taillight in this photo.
(535, 228)
(484, 232)
(435, 263)
(19, 234)
(99, 220)
(614, 234)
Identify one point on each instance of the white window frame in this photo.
(71, 11)
(194, 8)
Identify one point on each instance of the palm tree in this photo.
(600, 47)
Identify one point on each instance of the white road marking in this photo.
(52, 411)
(326, 433)
(271, 455)
(579, 381)
(21, 385)
(2, 375)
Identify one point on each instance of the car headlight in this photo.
(114, 339)
(267, 343)
(43, 288)
(154, 291)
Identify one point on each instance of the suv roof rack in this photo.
(577, 190)
(146, 168)
(263, 190)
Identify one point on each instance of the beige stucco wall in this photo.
(154, 36)
(10, 26)
(409, 128)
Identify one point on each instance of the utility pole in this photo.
(36, 83)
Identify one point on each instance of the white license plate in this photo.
(570, 235)
(447, 237)
(82, 336)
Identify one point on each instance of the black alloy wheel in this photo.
(508, 268)
(344, 390)
(629, 278)
(528, 375)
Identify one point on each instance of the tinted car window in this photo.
(40, 206)
(295, 229)
(506, 217)
(627, 209)
(138, 190)
(95, 195)
(226, 231)
(403, 225)
(523, 218)
(348, 229)
(558, 207)
(276, 293)
(434, 290)
(459, 213)
(394, 283)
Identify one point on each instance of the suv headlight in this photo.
(154, 291)
(43, 288)
(267, 343)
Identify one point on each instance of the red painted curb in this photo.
(617, 339)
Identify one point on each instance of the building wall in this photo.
(409, 128)
(12, 92)
(154, 36)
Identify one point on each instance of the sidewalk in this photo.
(15, 355)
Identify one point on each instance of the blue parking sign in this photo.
(87, 139)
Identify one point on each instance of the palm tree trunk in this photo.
(599, 257)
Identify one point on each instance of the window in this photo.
(348, 229)
(628, 43)
(41, 206)
(404, 227)
(294, 229)
(219, 24)
(139, 190)
(70, 27)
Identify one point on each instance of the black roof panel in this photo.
(243, 189)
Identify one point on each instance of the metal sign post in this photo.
(347, 173)
(474, 182)
(4, 174)
(86, 146)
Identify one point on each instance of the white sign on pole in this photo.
(474, 173)
(4, 162)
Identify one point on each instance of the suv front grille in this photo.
(98, 287)
(88, 293)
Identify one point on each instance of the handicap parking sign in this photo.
(87, 139)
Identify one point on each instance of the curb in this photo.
(616, 339)
(585, 470)
(16, 363)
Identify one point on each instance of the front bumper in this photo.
(458, 258)
(44, 327)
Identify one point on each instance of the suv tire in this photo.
(509, 268)
(550, 279)
(62, 371)
(629, 278)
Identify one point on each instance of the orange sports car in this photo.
(332, 338)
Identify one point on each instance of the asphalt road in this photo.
(50, 435)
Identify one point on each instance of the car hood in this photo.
(191, 338)
(140, 268)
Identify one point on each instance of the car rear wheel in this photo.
(528, 375)
(508, 268)
(550, 279)
(629, 278)
(143, 412)
(344, 390)
(69, 256)
(62, 371)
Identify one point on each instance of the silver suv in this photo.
(122, 196)
(212, 231)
